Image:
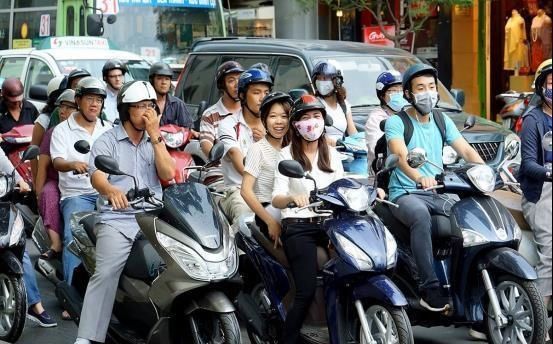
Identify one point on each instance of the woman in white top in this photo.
(301, 230)
(328, 81)
(261, 163)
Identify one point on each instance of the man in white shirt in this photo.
(226, 78)
(77, 194)
(237, 133)
(113, 73)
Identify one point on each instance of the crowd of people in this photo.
(258, 128)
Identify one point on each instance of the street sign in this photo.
(108, 6)
(373, 35)
(44, 25)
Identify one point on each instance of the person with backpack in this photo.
(390, 93)
(329, 86)
(535, 176)
(429, 130)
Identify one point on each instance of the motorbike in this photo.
(515, 106)
(175, 139)
(13, 299)
(171, 289)
(355, 300)
(354, 155)
(475, 259)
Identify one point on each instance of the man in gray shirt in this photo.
(136, 144)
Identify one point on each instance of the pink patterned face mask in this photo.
(310, 129)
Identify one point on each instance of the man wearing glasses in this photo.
(14, 110)
(77, 194)
(113, 73)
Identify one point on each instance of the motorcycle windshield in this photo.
(190, 208)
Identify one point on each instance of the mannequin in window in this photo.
(541, 38)
(516, 51)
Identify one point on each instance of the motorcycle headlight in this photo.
(472, 238)
(356, 199)
(194, 265)
(173, 140)
(482, 177)
(362, 260)
(449, 155)
(391, 249)
(517, 232)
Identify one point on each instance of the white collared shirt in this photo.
(61, 146)
(234, 132)
(110, 104)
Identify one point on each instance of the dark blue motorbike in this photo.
(475, 258)
(355, 302)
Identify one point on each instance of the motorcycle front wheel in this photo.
(387, 325)
(215, 328)
(13, 307)
(522, 304)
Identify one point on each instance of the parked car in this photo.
(60, 55)
(291, 62)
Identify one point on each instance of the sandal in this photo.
(66, 316)
(50, 254)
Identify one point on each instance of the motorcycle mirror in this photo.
(82, 146)
(201, 109)
(512, 149)
(469, 122)
(216, 152)
(291, 168)
(30, 153)
(296, 93)
(416, 158)
(328, 121)
(108, 165)
(546, 142)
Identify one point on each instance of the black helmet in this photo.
(160, 68)
(111, 65)
(326, 69)
(305, 103)
(76, 74)
(90, 85)
(541, 73)
(270, 99)
(417, 70)
(225, 69)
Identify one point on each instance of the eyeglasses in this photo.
(118, 76)
(143, 106)
(92, 99)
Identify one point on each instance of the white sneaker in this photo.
(82, 341)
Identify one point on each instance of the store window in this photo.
(31, 20)
(34, 3)
(4, 30)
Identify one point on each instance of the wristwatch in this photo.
(156, 140)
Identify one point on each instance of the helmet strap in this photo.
(256, 114)
(225, 91)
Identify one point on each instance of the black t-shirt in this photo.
(28, 115)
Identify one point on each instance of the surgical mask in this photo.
(425, 102)
(396, 102)
(325, 87)
(547, 94)
(310, 129)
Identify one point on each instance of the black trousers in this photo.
(300, 244)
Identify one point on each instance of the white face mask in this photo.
(324, 87)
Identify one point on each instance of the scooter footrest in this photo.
(316, 334)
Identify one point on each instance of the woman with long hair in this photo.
(301, 229)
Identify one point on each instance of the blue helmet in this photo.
(417, 70)
(327, 69)
(253, 76)
(387, 79)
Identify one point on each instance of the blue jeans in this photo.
(29, 277)
(69, 206)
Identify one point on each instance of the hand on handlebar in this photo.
(117, 199)
(426, 182)
(23, 186)
(80, 167)
(300, 200)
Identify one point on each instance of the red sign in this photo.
(373, 35)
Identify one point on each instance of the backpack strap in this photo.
(407, 127)
(440, 123)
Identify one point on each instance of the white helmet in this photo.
(54, 84)
(133, 92)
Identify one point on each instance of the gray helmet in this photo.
(90, 85)
(160, 68)
(67, 96)
(75, 74)
(415, 71)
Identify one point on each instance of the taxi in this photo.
(60, 55)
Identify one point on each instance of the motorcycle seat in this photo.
(88, 223)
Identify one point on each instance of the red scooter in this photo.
(19, 138)
(175, 139)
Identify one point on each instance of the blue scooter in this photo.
(475, 259)
(355, 301)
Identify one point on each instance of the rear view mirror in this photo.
(30, 153)
(94, 25)
(512, 149)
(295, 93)
(201, 109)
(459, 96)
(469, 122)
(111, 19)
(291, 168)
(216, 152)
(108, 165)
(416, 158)
(546, 142)
(38, 92)
(82, 146)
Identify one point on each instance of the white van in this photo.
(60, 55)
